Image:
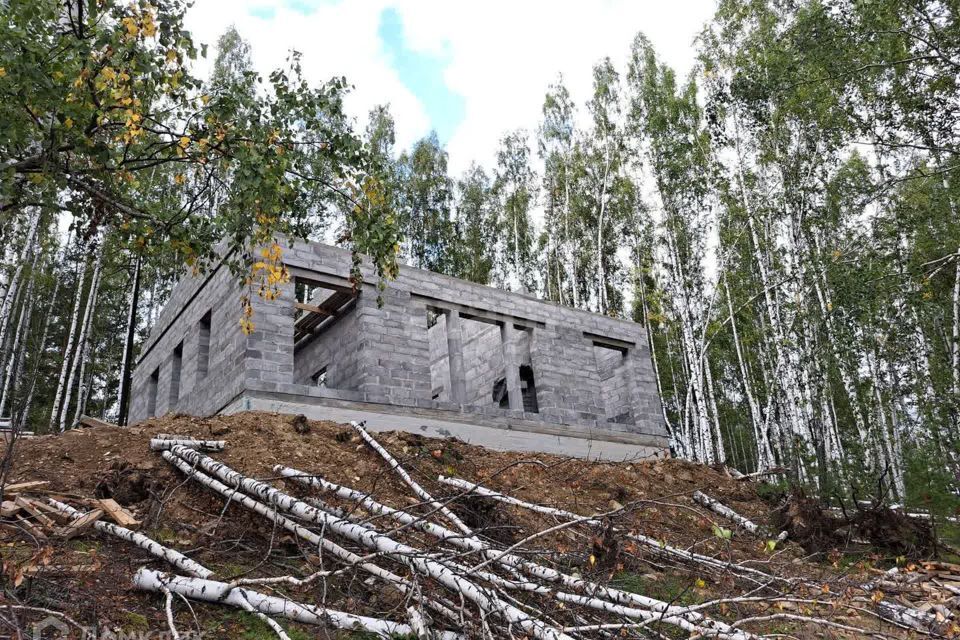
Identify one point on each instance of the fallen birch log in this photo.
(152, 547)
(723, 510)
(402, 585)
(410, 482)
(693, 622)
(222, 593)
(157, 550)
(657, 546)
(889, 610)
(405, 554)
(165, 444)
(417, 624)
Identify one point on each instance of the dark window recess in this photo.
(528, 391)
(320, 378)
(500, 396)
(152, 384)
(203, 345)
(176, 365)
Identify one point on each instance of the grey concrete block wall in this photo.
(616, 384)
(219, 294)
(336, 350)
(383, 354)
(482, 355)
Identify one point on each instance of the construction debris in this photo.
(117, 513)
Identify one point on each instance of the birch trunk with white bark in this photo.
(65, 366)
(223, 593)
(10, 298)
(413, 558)
(509, 560)
(19, 346)
(82, 352)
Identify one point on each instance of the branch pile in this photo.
(553, 574)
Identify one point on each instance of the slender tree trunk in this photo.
(71, 339)
(671, 430)
(956, 330)
(6, 310)
(786, 362)
(601, 278)
(568, 243)
(764, 454)
(704, 441)
(24, 411)
(516, 252)
(125, 365)
(19, 341)
(83, 352)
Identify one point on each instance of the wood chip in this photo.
(9, 508)
(80, 525)
(59, 569)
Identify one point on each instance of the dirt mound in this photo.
(89, 578)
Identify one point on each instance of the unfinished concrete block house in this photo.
(441, 357)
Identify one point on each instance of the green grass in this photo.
(247, 626)
(133, 622)
(668, 588)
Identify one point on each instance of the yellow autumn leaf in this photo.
(3, 72)
(204, 99)
(131, 25)
(184, 142)
(68, 123)
(179, 179)
(700, 583)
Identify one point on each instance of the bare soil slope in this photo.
(89, 578)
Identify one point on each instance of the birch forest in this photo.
(783, 220)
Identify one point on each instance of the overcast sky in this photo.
(468, 69)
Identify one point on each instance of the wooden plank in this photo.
(42, 519)
(31, 528)
(90, 421)
(22, 487)
(303, 306)
(117, 513)
(80, 525)
(55, 514)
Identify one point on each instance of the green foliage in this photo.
(930, 486)
(98, 101)
(515, 190)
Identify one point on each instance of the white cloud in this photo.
(338, 39)
(502, 53)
